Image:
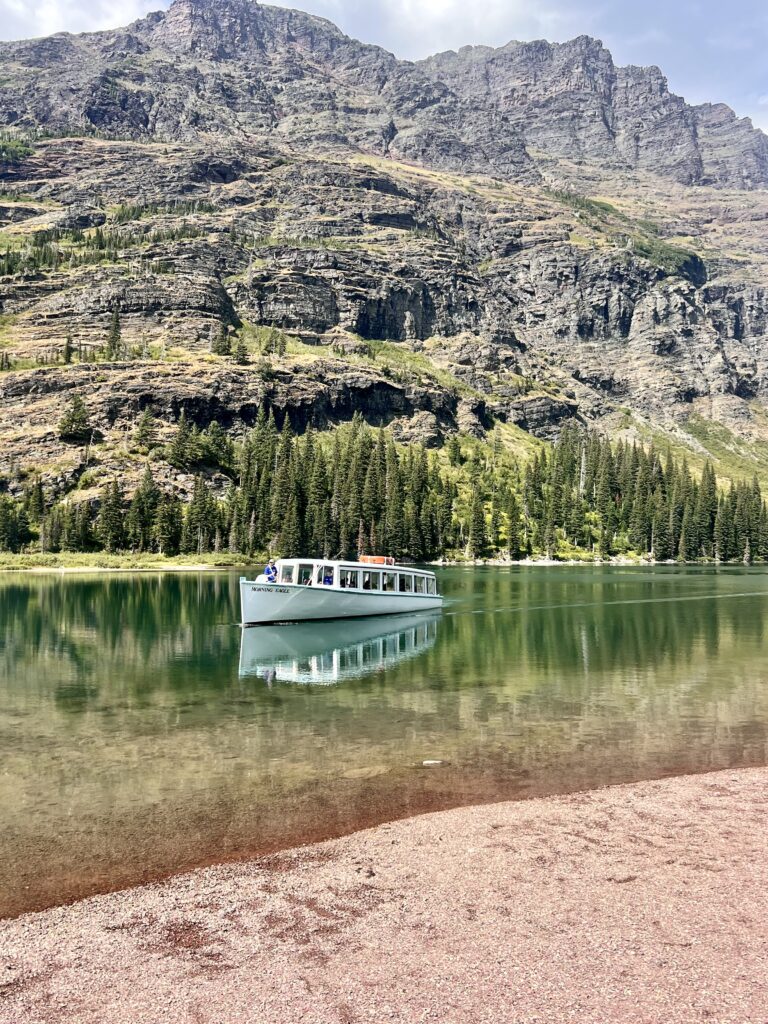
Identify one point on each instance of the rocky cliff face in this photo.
(570, 100)
(244, 68)
(422, 237)
(236, 67)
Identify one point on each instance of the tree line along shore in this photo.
(355, 490)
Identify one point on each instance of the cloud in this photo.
(410, 28)
(25, 19)
(417, 28)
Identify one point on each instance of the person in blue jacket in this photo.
(270, 571)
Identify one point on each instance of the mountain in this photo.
(490, 240)
(570, 100)
(244, 68)
(238, 67)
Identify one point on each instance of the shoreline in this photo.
(74, 569)
(644, 901)
(150, 567)
(98, 565)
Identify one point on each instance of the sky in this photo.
(709, 50)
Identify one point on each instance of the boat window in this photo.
(286, 573)
(349, 578)
(371, 581)
(389, 581)
(349, 657)
(324, 575)
(406, 583)
(418, 584)
(305, 575)
(431, 586)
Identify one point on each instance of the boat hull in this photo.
(278, 602)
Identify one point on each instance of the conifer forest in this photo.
(354, 490)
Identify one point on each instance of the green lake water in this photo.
(142, 732)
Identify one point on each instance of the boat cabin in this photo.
(376, 575)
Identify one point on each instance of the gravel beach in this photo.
(639, 903)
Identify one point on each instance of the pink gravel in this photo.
(639, 903)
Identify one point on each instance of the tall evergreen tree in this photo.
(142, 512)
(110, 525)
(114, 346)
(200, 520)
(476, 541)
(167, 526)
(179, 450)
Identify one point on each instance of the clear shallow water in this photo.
(142, 733)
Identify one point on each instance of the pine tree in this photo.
(142, 512)
(110, 526)
(75, 532)
(318, 509)
(222, 343)
(721, 537)
(453, 450)
(683, 547)
(362, 539)
(706, 510)
(241, 353)
(414, 545)
(662, 542)
(513, 527)
(290, 535)
(476, 542)
(393, 504)
(178, 453)
(217, 447)
(495, 533)
(114, 346)
(34, 500)
(9, 527)
(199, 521)
(75, 425)
(145, 434)
(167, 526)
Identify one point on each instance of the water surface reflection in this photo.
(139, 738)
(324, 653)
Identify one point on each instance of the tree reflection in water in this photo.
(137, 740)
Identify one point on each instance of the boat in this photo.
(326, 653)
(311, 589)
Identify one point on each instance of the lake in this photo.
(143, 732)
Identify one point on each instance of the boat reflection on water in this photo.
(323, 653)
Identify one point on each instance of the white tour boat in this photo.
(308, 589)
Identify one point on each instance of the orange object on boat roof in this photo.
(376, 560)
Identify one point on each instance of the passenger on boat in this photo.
(328, 578)
(270, 571)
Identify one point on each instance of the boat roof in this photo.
(347, 563)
